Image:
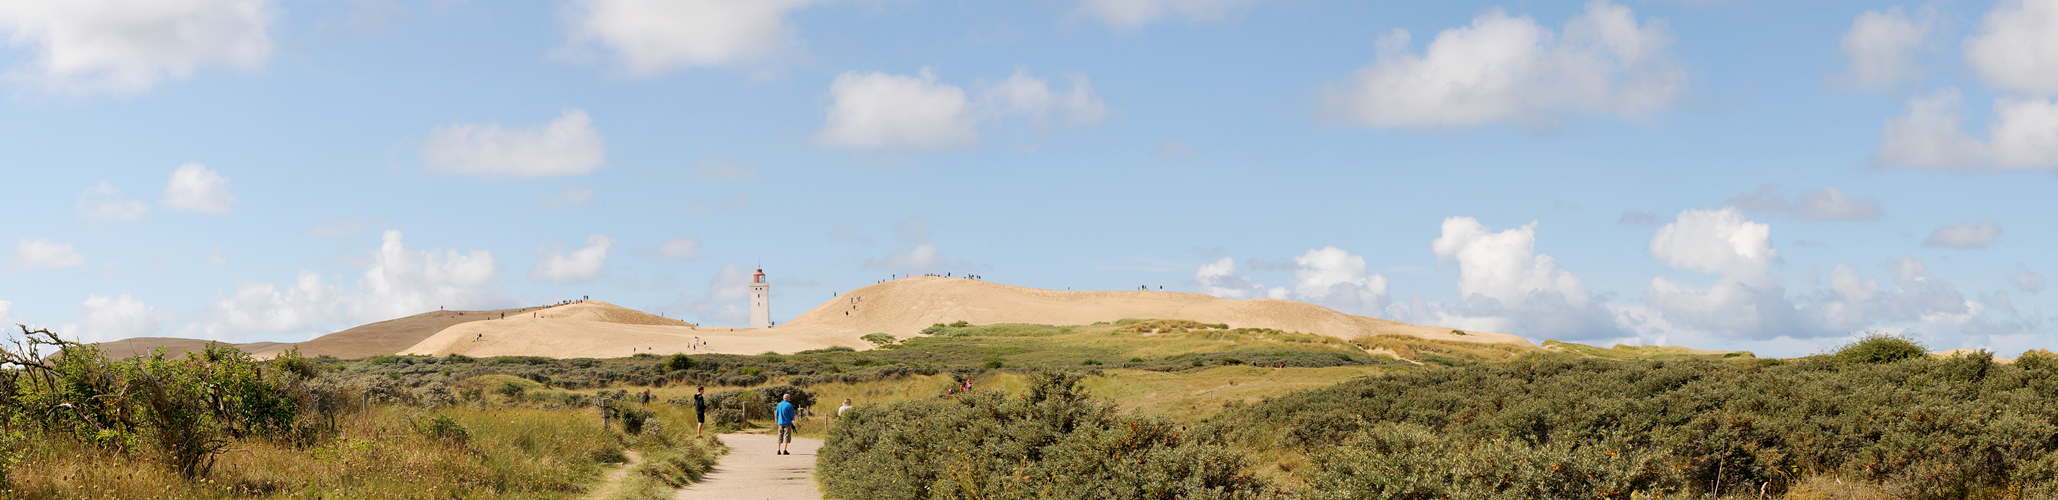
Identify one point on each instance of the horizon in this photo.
(1730, 175)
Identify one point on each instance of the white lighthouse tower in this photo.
(760, 301)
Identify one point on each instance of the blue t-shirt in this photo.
(785, 412)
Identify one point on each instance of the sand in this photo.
(384, 337)
(901, 308)
(751, 471)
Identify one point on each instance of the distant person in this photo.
(785, 412)
(646, 397)
(699, 410)
(844, 408)
(481, 337)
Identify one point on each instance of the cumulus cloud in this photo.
(1504, 69)
(1882, 48)
(1965, 235)
(899, 113)
(105, 318)
(726, 300)
(1221, 279)
(2027, 281)
(1720, 242)
(1136, 13)
(258, 307)
(2016, 47)
(1746, 299)
(2024, 135)
(196, 188)
(1504, 285)
(1826, 204)
(1332, 277)
(568, 145)
(41, 253)
(400, 281)
(105, 203)
(577, 266)
(653, 36)
(678, 248)
(572, 196)
(123, 47)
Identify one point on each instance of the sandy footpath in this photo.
(752, 472)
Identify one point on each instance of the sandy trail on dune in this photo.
(751, 472)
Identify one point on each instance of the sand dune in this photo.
(384, 337)
(901, 308)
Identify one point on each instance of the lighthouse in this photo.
(760, 301)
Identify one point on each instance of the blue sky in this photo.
(1772, 176)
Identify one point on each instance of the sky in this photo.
(1777, 177)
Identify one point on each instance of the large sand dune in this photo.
(901, 308)
(384, 337)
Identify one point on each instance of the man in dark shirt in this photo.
(699, 410)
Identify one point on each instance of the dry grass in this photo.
(512, 453)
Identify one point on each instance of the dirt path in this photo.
(614, 478)
(752, 472)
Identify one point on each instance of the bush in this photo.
(878, 339)
(1876, 347)
(1410, 461)
(801, 397)
(443, 428)
(679, 362)
(1051, 442)
(994, 363)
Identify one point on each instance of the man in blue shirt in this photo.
(785, 413)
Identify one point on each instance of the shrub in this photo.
(994, 363)
(1231, 361)
(1090, 363)
(1877, 347)
(679, 362)
(510, 389)
(878, 339)
(801, 397)
(1052, 442)
(960, 324)
(443, 428)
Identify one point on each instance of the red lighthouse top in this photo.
(759, 277)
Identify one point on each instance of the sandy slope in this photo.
(902, 308)
(384, 337)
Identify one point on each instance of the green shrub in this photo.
(1051, 442)
(1877, 347)
(801, 397)
(1410, 461)
(995, 363)
(878, 339)
(960, 324)
(1090, 363)
(510, 389)
(679, 362)
(1231, 361)
(443, 428)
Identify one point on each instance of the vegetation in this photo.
(220, 423)
(1049, 442)
(1551, 425)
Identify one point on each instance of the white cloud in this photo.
(1882, 48)
(196, 188)
(727, 171)
(2016, 47)
(1964, 235)
(1221, 279)
(2027, 281)
(264, 308)
(401, 282)
(1505, 286)
(2024, 135)
(653, 36)
(578, 266)
(1332, 277)
(1826, 204)
(921, 258)
(1029, 96)
(567, 145)
(728, 292)
(1503, 69)
(106, 318)
(1136, 13)
(1719, 242)
(125, 47)
(573, 196)
(41, 253)
(898, 113)
(679, 248)
(105, 203)
(901, 113)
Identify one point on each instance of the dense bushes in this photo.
(1926, 428)
(1051, 442)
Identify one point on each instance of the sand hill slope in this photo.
(384, 337)
(902, 308)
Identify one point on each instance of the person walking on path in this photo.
(699, 411)
(785, 413)
(844, 408)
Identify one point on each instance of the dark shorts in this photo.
(700, 416)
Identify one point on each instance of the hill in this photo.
(903, 308)
(384, 337)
